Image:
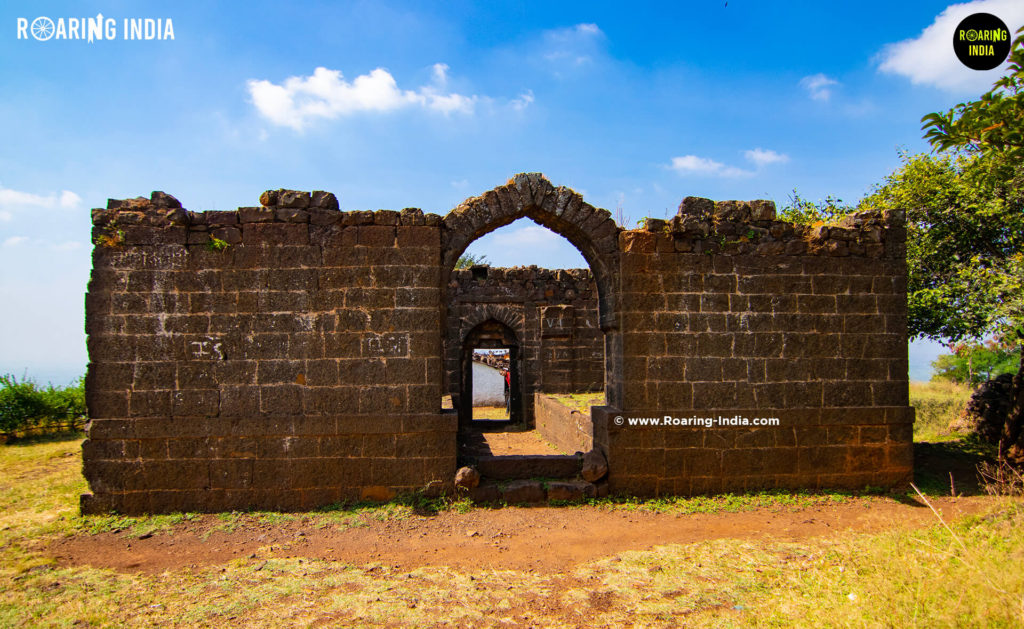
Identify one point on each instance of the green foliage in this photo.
(216, 244)
(974, 363)
(25, 405)
(467, 260)
(801, 211)
(966, 216)
(20, 402)
(964, 238)
(111, 239)
(992, 124)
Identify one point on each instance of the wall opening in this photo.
(553, 312)
(565, 319)
(483, 401)
(491, 384)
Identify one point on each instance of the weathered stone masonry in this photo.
(290, 355)
(553, 316)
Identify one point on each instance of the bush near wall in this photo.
(26, 407)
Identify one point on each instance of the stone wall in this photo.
(566, 428)
(292, 355)
(291, 363)
(553, 314)
(727, 311)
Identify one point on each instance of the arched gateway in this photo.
(301, 361)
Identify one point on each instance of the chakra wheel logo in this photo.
(42, 28)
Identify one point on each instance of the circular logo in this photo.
(981, 41)
(42, 28)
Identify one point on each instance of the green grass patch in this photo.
(579, 401)
(727, 503)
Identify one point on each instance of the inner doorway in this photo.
(492, 399)
(489, 352)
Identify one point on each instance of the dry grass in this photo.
(489, 412)
(964, 575)
(937, 404)
(580, 401)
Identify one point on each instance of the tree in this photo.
(965, 222)
(965, 236)
(992, 124)
(973, 363)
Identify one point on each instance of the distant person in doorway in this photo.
(508, 390)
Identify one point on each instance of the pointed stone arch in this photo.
(511, 318)
(562, 210)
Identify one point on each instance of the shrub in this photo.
(26, 406)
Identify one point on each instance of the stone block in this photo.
(570, 491)
(323, 200)
(291, 215)
(292, 199)
(255, 214)
(523, 492)
(275, 233)
(376, 236)
(485, 493)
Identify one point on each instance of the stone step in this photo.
(537, 491)
(527, 466)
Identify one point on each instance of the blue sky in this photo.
(389, 105)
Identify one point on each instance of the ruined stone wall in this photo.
(281, 357)
(292, 355)
(566, 428)
(727, 311)
(553, 314)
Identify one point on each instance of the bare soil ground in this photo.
(478, 442)
(540, 539)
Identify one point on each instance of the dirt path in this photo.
(540, 539)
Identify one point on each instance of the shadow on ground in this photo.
(951, 467)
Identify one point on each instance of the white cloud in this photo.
(440, 71)
(818, 86)
(763, 157)
(326, 94)
(17, 200)
(928, 59)
(69, 199)
(524, 101)
(572, 47)
(697, 165)
(705, 166)
(528, 236)
(14, 241)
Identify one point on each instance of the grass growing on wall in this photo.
(580, 401)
